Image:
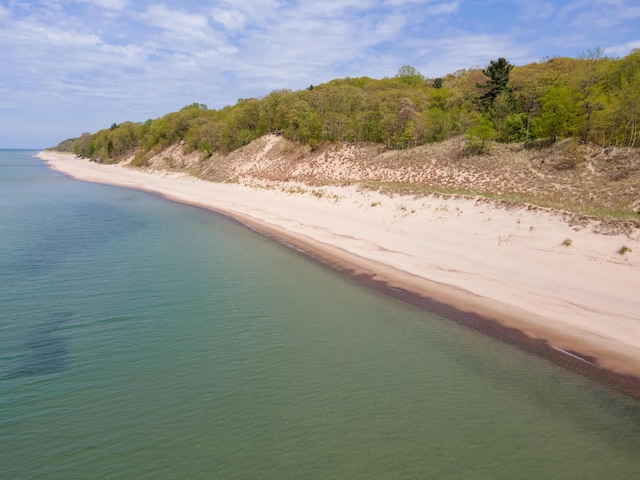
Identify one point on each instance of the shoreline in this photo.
(502, 271)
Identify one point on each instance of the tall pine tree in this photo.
(498, 77)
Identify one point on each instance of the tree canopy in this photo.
(498, 79)
(594, 98)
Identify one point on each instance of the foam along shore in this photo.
(525, 268)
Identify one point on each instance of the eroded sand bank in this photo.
(525, 268)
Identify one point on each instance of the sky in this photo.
(74, 66)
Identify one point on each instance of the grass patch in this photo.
(624, 249)
(567, 242)
(598, 212)
(140, 159)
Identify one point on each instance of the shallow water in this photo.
(141, 338)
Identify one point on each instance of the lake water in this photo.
(141, 338)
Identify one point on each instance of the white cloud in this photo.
(257, 12)
(387, 27)
(115, 5)
(232, 20)
(467, 51)
(443, 8)
(37, 38)
(531, 11)
(174, 20)
(182, 31)
(426, 7)
(602, 14)
(399, 3)
(134, 60)
(68, 39)
(623, 49)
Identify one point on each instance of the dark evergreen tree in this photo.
(498, 78)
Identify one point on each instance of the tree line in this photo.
(592, 98)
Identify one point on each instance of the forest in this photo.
(593, 98)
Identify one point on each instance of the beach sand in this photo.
(528, 275)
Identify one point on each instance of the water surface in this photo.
(141, 338)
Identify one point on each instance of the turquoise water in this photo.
(141, 338)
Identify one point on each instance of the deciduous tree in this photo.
(558, 113)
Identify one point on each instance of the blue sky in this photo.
(70, 66)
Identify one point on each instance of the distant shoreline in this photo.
(521, 275)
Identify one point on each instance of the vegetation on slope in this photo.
(562, 132)
(567, 175)
(593, 98)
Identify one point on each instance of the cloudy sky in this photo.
(70, 66)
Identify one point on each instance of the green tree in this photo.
(622, 107)
(558, 113)
(438, 125)
(81, 147)
(244, 123)
(439, 98)
(498, 78)
(479, 134)
(155, 133)
(304, 123)
(517, 127)
(589, 85)
(500, 110)
(591, 97)
(124, 139)
(410, 75)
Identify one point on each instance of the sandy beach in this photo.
(527, 269)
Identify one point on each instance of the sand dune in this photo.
(527, 268)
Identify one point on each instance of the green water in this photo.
(140, 338)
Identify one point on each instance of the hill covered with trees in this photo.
(591, 98)
(560, 133)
